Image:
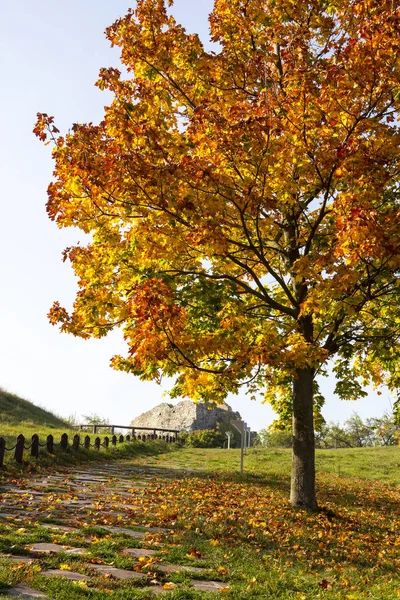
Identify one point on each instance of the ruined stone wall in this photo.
(184, 416)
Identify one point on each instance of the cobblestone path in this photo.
(86, 530)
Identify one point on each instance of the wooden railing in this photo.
(155, 430)
(49, 445)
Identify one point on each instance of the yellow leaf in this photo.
(222, 570)
(82, 584)
(169, 586)
(36, 568)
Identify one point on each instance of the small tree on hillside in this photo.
(243, 205)
(387, 431)
(95, 419)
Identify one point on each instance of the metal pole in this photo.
(242, 446)
(241, 427)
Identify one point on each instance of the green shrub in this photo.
(206, 438)
(274, 439)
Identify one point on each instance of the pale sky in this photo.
(51, 52)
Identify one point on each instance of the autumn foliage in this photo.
(243, 204)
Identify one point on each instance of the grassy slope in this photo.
(21, 416)
(270, 463)
(18, 416)
(15, 410)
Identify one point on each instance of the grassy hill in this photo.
(15, 410)
(271, 464)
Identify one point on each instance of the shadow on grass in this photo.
(271, 480)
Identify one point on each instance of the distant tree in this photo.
(73, 420)
(359, 433)
(332, 435)
(356, 433)
(95, 419)
(386, 430)
(274, 438)
(244, 205)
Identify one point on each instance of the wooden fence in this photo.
(155, 431)
(49, 445)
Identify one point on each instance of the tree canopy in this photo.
(243, 204)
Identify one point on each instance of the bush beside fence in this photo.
(77, 442)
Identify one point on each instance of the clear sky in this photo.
(51, 52)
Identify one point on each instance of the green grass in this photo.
(60, 458)
(68, 457)
(366, 463)
(244, 530)
(348, 550)
(19, 416)
(15, 410)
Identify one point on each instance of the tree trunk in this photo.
(303, 462)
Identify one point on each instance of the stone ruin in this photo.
(186, 416)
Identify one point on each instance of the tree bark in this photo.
(302, 493)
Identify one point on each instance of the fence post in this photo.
(112, 430)
(121, 438)
(114, 440)
(106, 442)
(35, 445)
(133, 432)
(50, 444)
(76, 441)
(94, 428)
(128, 438)
(19, 448)
(64, 441)
(2, 450)
(87, 442)
(97, 443)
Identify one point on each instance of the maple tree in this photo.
(243, 204)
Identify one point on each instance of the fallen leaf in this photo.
(169, 586)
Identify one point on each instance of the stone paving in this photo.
(44, 548)
(25, 592)
(71, 575)
(105, 496)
